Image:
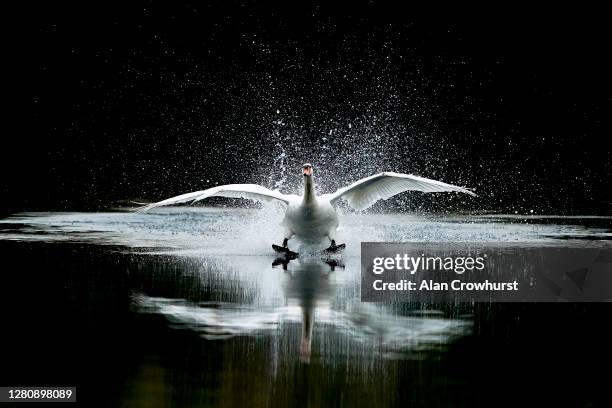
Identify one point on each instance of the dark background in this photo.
(111, 102)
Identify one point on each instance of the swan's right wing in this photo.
(248, 191)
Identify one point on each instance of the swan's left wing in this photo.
(248, 191)
(367, 191)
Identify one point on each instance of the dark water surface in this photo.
(152, 312)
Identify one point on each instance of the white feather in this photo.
(365, 192)
(248, 191)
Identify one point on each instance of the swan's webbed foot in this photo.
(333, 248)
(285, 242)
(286, 252)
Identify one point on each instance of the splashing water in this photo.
(278, 176)
(240, 231)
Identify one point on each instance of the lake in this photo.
(188, 307)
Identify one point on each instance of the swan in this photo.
(313, 218)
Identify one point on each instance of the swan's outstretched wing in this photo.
(248, 191)
(367, 191)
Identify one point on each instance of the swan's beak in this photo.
(307, 170)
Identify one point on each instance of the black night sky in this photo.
(148, 100)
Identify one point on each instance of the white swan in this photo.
(311, 217)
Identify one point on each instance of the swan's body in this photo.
(311, 222)
(313, 218)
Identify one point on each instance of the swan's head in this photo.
(307, 170)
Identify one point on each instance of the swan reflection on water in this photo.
(315, 298)
(308, 285)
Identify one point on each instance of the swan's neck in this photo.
(309, 191)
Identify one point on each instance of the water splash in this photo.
(278, 174)
(222, 231)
